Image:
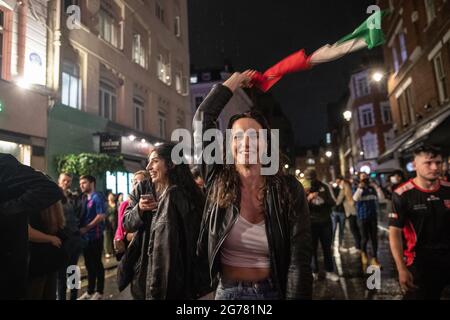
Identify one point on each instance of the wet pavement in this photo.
(352, 285)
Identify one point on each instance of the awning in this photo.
(133, 166)
(395, 145)
(388, 166)
(424, 131)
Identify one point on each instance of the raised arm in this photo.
(207, 114)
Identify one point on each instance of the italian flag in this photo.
(367, 35)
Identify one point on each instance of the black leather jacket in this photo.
(23, 192)
(288, 230)
(168, 267)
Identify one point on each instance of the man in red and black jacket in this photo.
(419, 230)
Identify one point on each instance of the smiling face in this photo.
(246, 142)
(157, 169)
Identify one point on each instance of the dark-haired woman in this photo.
(166, 213)
(255, 230)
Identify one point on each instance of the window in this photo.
(108, 101)
(370, 145)
(406, 107)
(180, 119)
(71, 85)
(366, 116)
(2, 24)
(403, 50)
(139, 52)
(431, 10)
(160, 13)
(177, 27)
(395, 59)
(386, 112)
(361, 85)
(388, 137)
(138, 113)
(108, 27)
(441, 77)
(163, 65)
(119, 182)
(162, 124)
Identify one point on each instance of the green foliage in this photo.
(88, 163)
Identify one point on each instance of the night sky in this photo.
(258, 33)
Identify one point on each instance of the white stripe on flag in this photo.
(330, 53)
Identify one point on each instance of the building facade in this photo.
(369, 122)
(417, 55)
(119, 69)
(24, 96)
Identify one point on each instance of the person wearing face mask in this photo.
(366, 196)
(395, 180)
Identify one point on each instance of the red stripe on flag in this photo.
(296, 62)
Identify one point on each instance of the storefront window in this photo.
(21, 152)
(119, 182)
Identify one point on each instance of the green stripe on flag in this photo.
(370, 30)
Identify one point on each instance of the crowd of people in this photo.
(184, 232)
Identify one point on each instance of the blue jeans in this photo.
(246, 290)
(338, 218)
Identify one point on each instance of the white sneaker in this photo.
(315, 276)
(332, 276)
(85, 296)
(97, 296)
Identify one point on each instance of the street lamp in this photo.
(329, 154)
(286, 166)
(297, 172)
(377, 76)
(347, 115)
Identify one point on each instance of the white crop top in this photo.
(246, 245)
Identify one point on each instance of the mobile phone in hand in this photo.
(147, 197)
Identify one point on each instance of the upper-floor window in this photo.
(108, 100)
(370, 145)
(430, 6)
(138, 113)
(361, 85)
(71, 85)
(162, 124)
(366, 116)
(386, 112)
(177, 27)
(164, 70)
(109, 28)
(160, 12)
(406, 107)
(441, 77)
(2, 22)
(403, 49)
(395, 59)
(139, 50)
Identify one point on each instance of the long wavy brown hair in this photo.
(53, 218)
(226, 189)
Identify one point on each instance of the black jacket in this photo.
(168, 262)
(288, 227)
(23, 191)
(321, 211)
